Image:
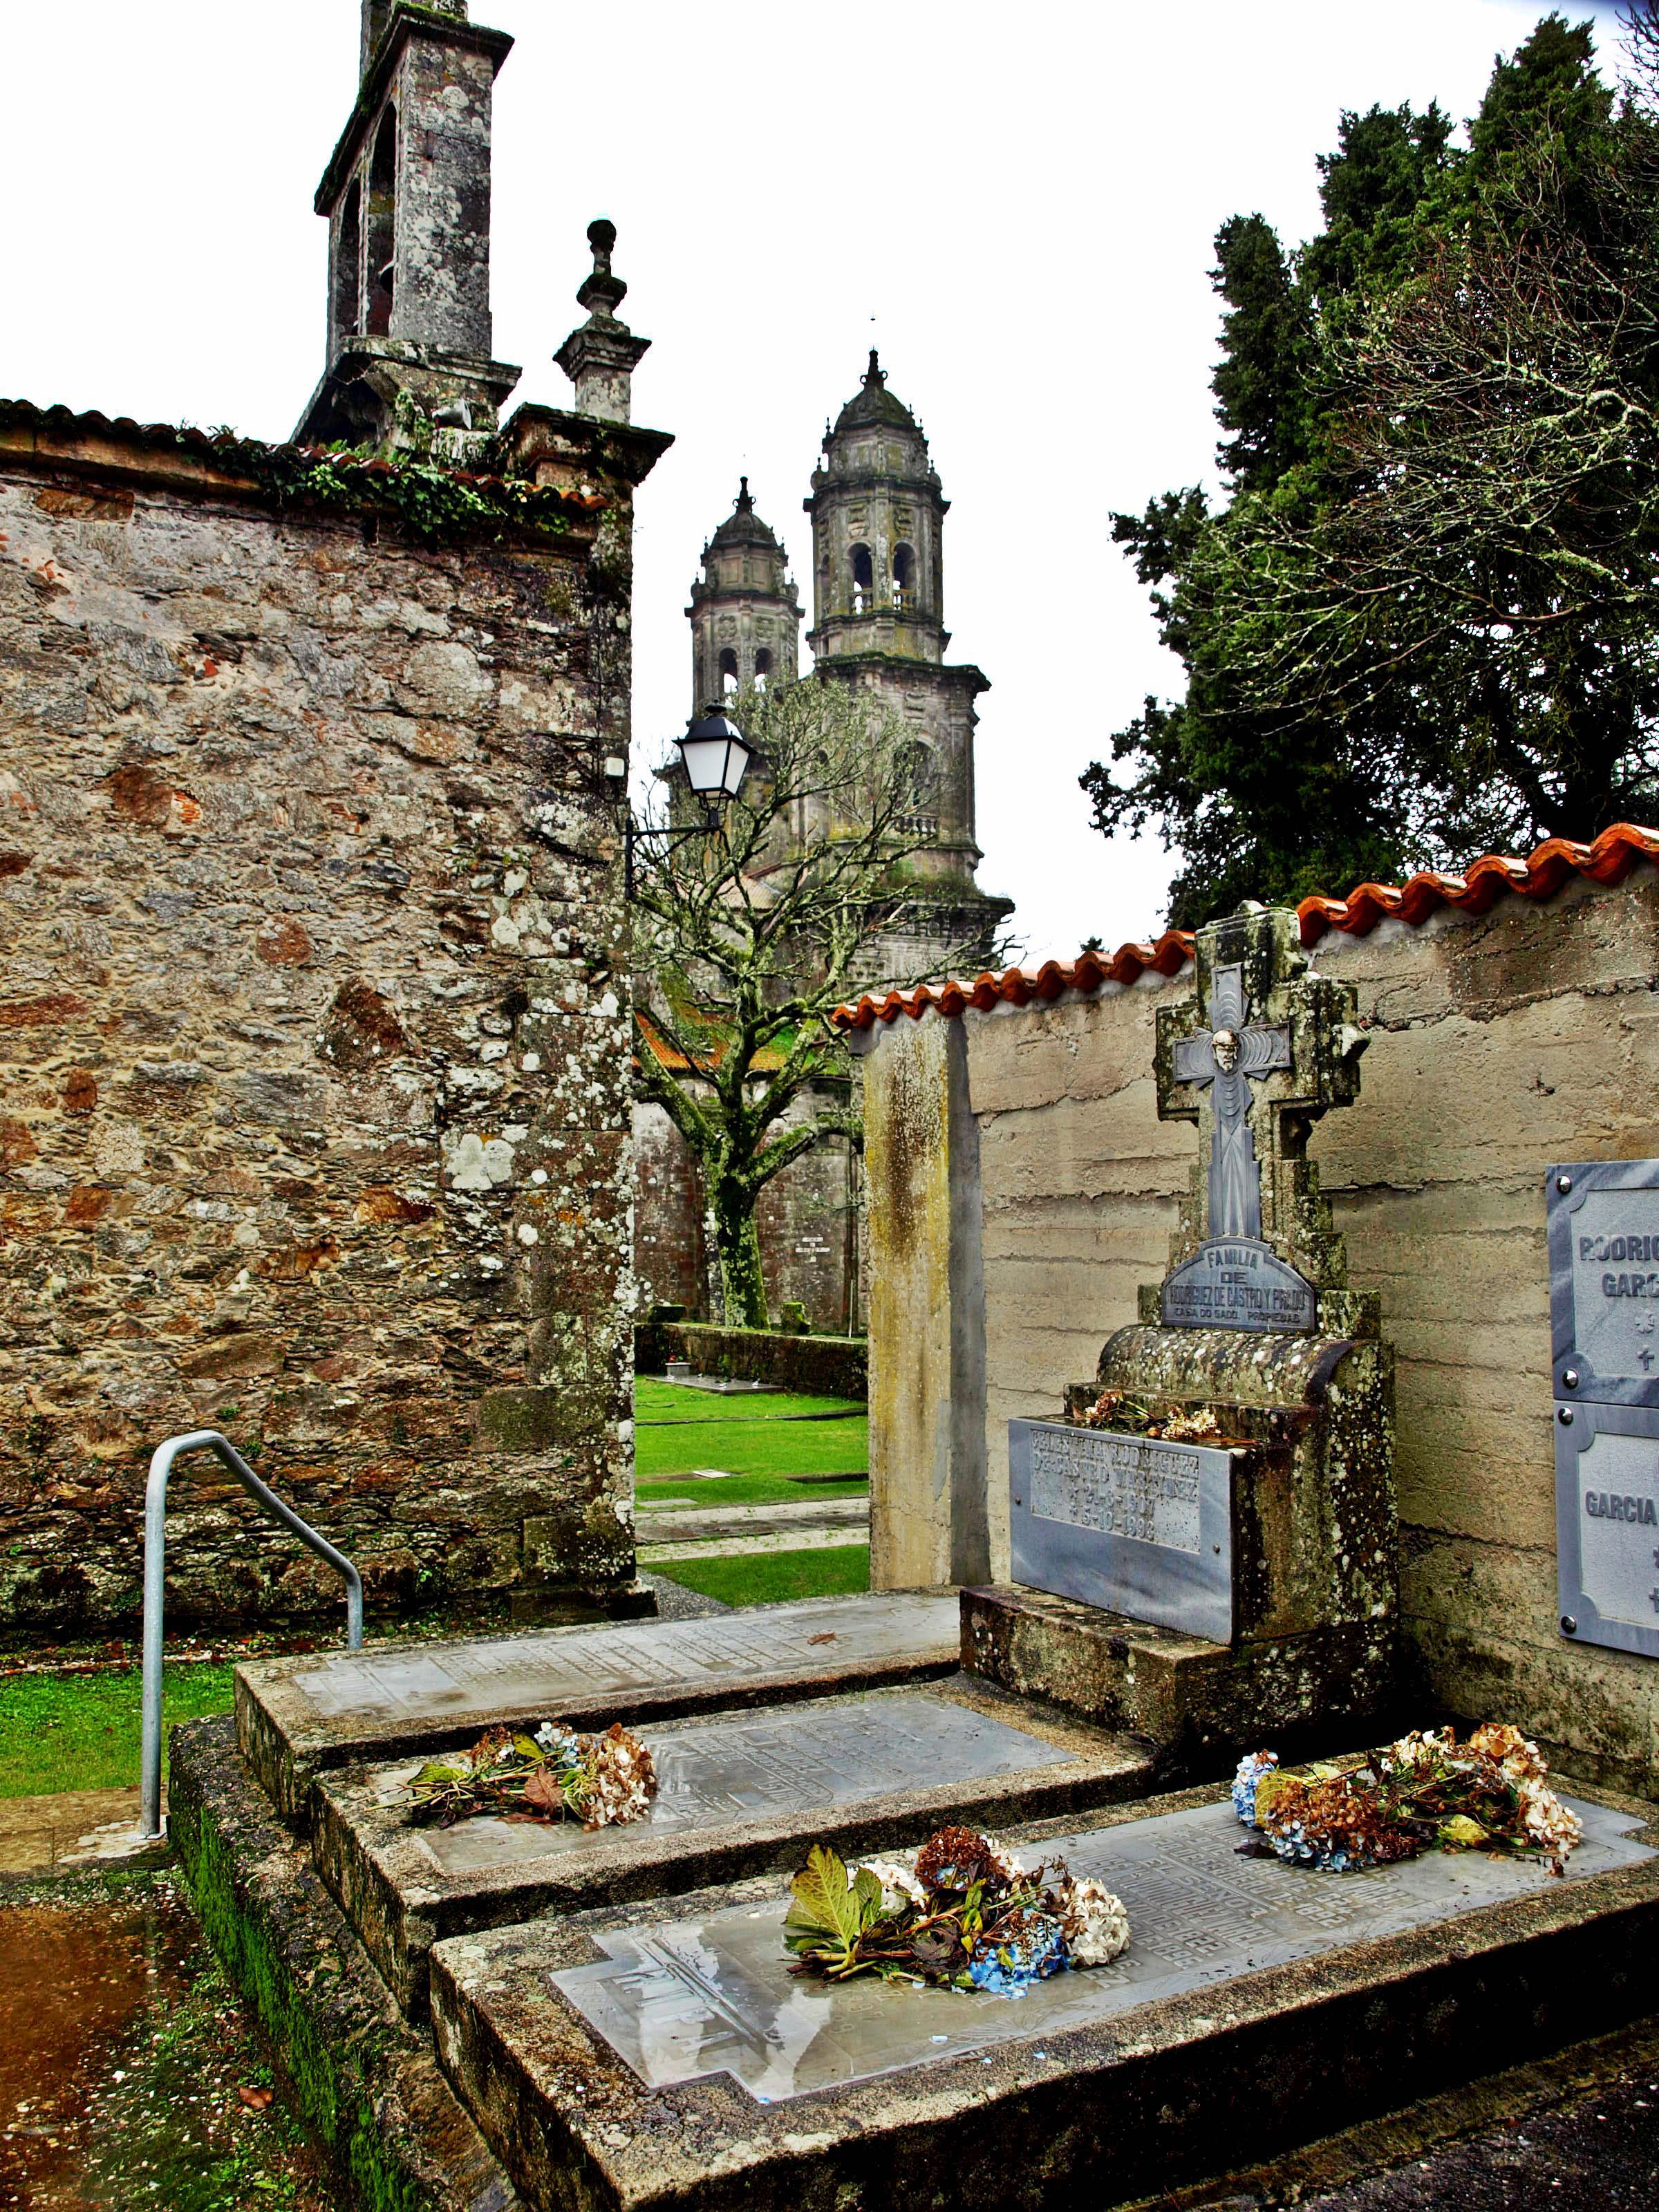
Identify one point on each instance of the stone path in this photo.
(69, 1832)
(697, 1532)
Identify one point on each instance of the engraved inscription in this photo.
(1121, 1486)
(1615, 1282)
(1619, 1526)
(1238, 1284)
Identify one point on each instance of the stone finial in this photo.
(745, 505)
(602, 293)
(600, 357)
(875, 374)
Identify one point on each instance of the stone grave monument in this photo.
(1204, 1552)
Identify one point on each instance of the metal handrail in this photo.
(155, 1542)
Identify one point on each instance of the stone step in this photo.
(298, 1717)
(739, 1793)
(734, 1531)
(635, 2058)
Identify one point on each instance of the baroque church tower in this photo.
(878, 620)
(745, 616)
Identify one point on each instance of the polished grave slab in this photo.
(295, 1716)
(737, 1794)
(659, 2052)
(697, 1997)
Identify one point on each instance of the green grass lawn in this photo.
(81, 1731)
(765, 1436)
(768, 1577)
(743, 1490)
(656, 1401)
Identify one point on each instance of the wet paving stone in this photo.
(130, 2075)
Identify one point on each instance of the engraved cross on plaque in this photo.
(1230, 1057)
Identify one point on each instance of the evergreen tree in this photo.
(1420, 618)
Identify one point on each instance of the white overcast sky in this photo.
(1015, 203)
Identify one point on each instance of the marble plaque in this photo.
(760, 1766)
(1128, 1522)
(490, 1678)
(680, 2000)
(1604, 1280)
(1238, 1282)
(1606, 1514)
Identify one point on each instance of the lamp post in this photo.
(715, 755)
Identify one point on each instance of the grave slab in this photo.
(623, 2059)
(296, 1716)
(737, 1794)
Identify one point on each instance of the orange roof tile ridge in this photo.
(1018, 986)
(1606, 860)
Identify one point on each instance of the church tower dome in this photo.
(877, 531)
(744, 613)
(878, 620)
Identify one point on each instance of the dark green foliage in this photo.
(1419, 625)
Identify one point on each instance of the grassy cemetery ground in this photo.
(80, 1731)
(698, 1449)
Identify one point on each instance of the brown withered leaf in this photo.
(542, 1795)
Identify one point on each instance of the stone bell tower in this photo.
(406, 194)
(745, 615)
(879, 619)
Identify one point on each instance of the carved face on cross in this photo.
(1229, 1057)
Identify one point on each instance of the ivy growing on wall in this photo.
(440, 505)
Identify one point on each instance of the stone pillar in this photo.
(928, 1519)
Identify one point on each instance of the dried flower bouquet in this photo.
(1426, 1792)
(958, 1914)
(602, 1780)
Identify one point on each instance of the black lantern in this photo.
(717, 755)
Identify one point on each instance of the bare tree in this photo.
(750, 930)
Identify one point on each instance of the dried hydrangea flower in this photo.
(1096, 1925)
(1251, 1768)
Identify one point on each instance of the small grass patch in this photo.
(744, 1490)
(766, 1448)
(770, 1577)
(82, 1731)
(655, 1402)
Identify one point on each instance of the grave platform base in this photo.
(617, 2061)
(1199, 1703)
(366, 2085)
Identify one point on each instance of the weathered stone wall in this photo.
(1499, 1043)
(315, 1121)
(806, 1217)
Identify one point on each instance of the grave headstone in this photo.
(1228, 1475)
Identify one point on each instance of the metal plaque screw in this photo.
(1564, 1414)
(1564, 1184)
(1570, 1378)
(1569, 1625)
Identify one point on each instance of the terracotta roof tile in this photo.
(1608, 860)
(1018, 986)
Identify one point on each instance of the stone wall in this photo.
(315, 1120)
(1500, 1043)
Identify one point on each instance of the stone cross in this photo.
(1261, 1052)
(1230, 1056)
